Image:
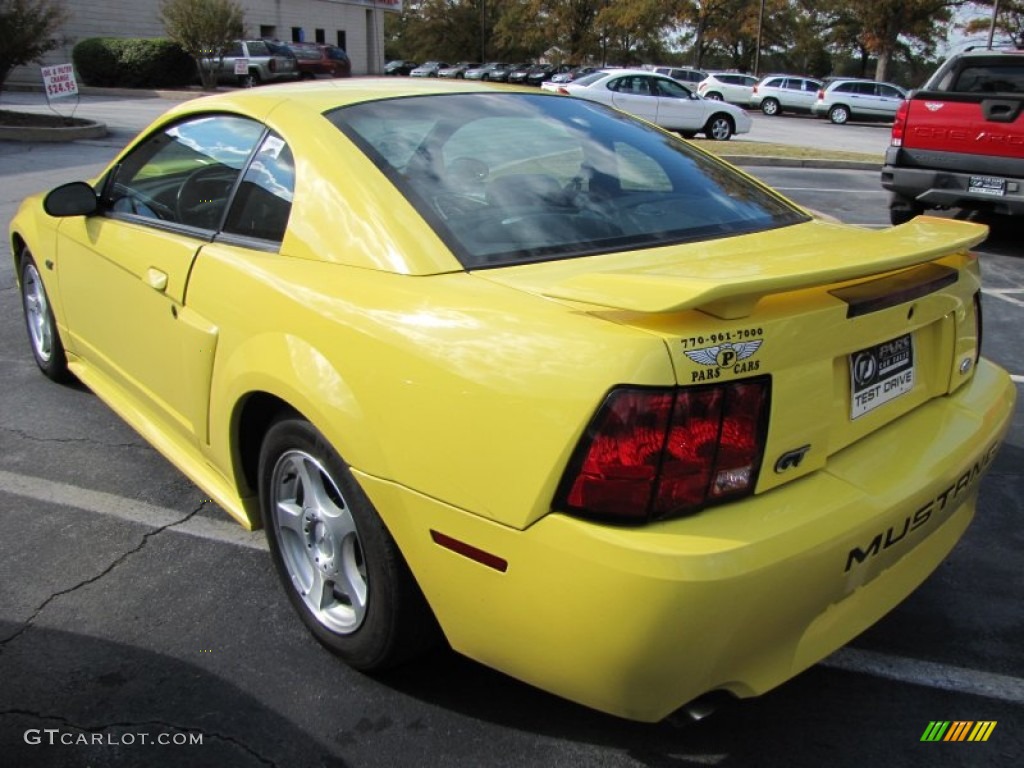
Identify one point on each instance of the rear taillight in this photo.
(899, 126)
(563, 90)
(655, 453)
(821, 94)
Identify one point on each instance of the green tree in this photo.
(886, 29)
(205, 29)
(28, 29)
(1009, 22)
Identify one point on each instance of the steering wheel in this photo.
(202, 195)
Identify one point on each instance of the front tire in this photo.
(719, 128)
(770, 107)
(339, 565)
(47, 348)
(839, 114)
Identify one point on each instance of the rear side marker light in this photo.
(468, 550)
(656, 453)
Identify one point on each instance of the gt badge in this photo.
(791, 459)
(726, 355)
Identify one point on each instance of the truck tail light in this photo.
(654, 453)
(899, 126)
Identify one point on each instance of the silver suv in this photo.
(728, 86)
(251, 62)
(776, 94)
(682, 74)
(848, 99)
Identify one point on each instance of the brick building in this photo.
(355, 25)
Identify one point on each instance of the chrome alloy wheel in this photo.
(37, 314)
(319, 542)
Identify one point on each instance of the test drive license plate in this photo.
(881, 373)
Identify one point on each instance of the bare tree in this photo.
(205, 29)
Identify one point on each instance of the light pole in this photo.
(757, 50)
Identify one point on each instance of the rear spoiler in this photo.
(730, 286)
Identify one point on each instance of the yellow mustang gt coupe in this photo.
(528, 374)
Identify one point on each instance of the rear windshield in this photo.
(509, 178)
(991, 79)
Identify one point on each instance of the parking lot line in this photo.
(900, 669)
(130, 510)
(928, 674)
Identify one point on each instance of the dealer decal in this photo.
(729, 351)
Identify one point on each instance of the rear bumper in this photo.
(639, 621)
(948, 187)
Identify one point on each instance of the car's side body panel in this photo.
(458, 397)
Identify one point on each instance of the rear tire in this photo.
(47, 348)
(839, 114)
(341, 569)
(902, 209)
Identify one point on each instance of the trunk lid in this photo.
(855, 327)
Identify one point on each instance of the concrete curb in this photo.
(91, 130)
(796, 162)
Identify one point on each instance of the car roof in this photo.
(319, 96)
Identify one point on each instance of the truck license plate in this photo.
(987, 185)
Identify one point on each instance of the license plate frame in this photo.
(987, 185)
(881, 373)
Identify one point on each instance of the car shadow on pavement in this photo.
(70, 701)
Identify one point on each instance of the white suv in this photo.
(776, 94)
(727, 86)
(845, 100)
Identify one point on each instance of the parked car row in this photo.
(252, 62)
(839, 99)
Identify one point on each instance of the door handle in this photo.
(156, 279)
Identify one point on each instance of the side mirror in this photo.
(74, 199)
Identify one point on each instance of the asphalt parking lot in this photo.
(140, 626)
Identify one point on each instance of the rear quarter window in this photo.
(991, 79)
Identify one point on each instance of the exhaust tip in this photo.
(701, 707)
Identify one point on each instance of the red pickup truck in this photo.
(958, 142)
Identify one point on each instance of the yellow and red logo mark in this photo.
(958, 730)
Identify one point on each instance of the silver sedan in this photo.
(662, 101)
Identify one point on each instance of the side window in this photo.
(889, 92)
(672, 89)
(846, 88)
(264, 199)
(185, 173)
(810, 85)
(639, 172)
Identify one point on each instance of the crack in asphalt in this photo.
(4, 642)
(99, 728)
(65, 440)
